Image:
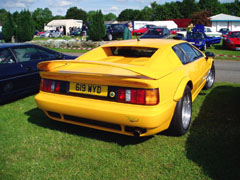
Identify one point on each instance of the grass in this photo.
(35, 147)
(69, 50)
(220, 50)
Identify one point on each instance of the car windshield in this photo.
(133, 51)
(195, 35)
(235, 35)
(155, 31)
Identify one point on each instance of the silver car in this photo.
(51, 33)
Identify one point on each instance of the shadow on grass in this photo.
(214, 139)
(37, 116)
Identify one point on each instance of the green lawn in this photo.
(35, 147)
(220, 50)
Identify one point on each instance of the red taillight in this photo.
(138, 96)
(50, 86)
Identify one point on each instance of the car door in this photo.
(30, 56)
(195, 64)
(12, 74)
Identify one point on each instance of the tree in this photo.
(8, 28)
(201, 17)
(97, 29)
(188, 7)
(3, 16)
(24, 26)
(41, 17)
(75, 13)
(212, 6)
(110, 17)
(127, 15)
(59, 17)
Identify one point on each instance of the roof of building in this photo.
(63, 22)
(224, 17)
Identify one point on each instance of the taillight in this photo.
(50, 85)
(138, 96)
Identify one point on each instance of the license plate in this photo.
(91, 89)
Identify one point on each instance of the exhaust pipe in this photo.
(138, 131)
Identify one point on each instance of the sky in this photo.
(60, 7)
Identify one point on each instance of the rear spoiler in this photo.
(86, 67)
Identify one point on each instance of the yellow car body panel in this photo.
(162, 71)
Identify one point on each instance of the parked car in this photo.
(199, 39)
(114, 31)
(175, 30)
(156, 32)
(135, 88)
(76, 33)
(51, 33)
(232, 40)
(224, 31)
(210, 33)
(142, 29)
(18, 67)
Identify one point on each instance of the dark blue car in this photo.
(198, 38)
(18, 67)
(156, 32)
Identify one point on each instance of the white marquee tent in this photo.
(65, 23)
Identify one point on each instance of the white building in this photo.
(167, 24)
(225, 21)
(65, 23)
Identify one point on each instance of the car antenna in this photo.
(136, 34)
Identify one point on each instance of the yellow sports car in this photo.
(132, 87)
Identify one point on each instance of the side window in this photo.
(180, 54)
(189, 51)
(24, 54)
(47, 55)
(6, 57)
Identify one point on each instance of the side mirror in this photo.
(209, 54)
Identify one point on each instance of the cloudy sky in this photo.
(59, 7)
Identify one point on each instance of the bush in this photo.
(25, 26)
(8, 28)
(97, 29)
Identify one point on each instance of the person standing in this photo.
(127, 32)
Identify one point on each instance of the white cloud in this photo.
(64, 3)
(18, 4)
(113, 8)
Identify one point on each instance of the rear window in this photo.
(133, 51)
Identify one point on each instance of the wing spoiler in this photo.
(98, 68)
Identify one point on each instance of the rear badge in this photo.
(112, 94)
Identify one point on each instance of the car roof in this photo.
(9, 45)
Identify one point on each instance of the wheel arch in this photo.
(181, 87)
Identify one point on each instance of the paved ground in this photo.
(226, 71)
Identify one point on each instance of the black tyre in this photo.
(182, 114)
(109, 37)
(210, 78)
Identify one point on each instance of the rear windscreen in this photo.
(133, 51)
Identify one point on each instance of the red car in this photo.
(142, 29)
(232, 40)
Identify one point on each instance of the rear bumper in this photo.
(106, 115)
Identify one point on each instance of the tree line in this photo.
(26, 22)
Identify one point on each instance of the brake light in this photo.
(50, 85)
(138, 96)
